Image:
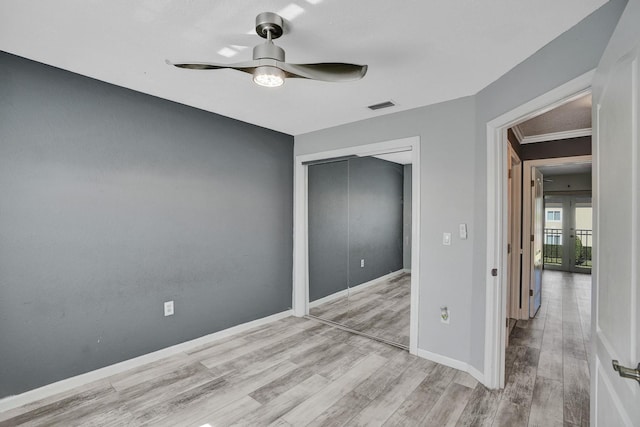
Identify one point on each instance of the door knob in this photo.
(624, 372)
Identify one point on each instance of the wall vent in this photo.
(385, 104)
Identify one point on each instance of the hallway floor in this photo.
(547, 361)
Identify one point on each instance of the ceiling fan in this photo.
(269, 67)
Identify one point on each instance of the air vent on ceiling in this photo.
(385, 104)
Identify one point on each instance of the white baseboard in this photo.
(334, 296)
(12, 402)
(452, 363)
(355, 289)
(476, 374)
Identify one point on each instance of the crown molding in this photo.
(518, 133)
(555, 135)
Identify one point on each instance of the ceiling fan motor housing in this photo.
(268, 50)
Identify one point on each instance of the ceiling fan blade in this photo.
(246, 67)
(326, 72)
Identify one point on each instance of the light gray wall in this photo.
(572, 54)
(114, 202)
(355, 212)
(453, 178)
(406, 219)
(567, 183)
(447, 169)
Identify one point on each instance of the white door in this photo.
(616, 331)
(537, 229)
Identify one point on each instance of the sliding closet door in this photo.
(328, 229)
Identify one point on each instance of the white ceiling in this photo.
(418, 52)
(567, 117)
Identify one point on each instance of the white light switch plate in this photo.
(463, 231)
(446, 239)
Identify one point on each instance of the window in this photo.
(553, 215)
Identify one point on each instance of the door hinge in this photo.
(532, 237)
(508, 248)
(507, 322)
(509, 173)
(494, 272)
(530, 292)
(533, 183)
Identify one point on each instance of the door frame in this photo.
(514, 234)
(496, 249)
(300, 298)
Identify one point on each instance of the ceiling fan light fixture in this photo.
(268, 76)
(268, 66)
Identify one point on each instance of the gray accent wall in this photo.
(375, 218)
(453, 178)
(406, 219)
(113, 202)
(355, 212)
(328, 225)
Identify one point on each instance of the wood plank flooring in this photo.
(547, 361)
(300, 372)
(381, 310)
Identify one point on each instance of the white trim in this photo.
(334, 296)
(476, 374)
(443, 360)
(355, 289)
(555, 136)
(300, 299)
(452, 363)
(16, 401)
(518, 133)
(496, 205)
(300, 233)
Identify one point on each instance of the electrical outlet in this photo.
(168, 308)
(362, 263)
(445, 315)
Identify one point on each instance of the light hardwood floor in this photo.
(298, 372)
(381, 310)
(547, 361)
